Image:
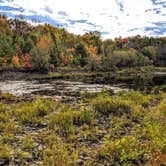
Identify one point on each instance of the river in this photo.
(72, 88)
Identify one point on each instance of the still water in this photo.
(74, 88)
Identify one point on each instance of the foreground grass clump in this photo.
(33, 112)
(66, 118)
(136, 97)
(124, 129)
(5, 152)
(110, 105)
(7, 97)
(125, 151)
(4, 116)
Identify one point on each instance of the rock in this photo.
(40, 148)
(29, 158)
(2, 161)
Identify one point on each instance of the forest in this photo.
(43, 48)
(80, 100)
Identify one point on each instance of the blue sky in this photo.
(112, 18)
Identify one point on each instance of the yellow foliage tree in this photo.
(16, 61)
(3, 61)
(92, 50)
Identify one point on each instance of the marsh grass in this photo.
(66, 119)
(124, 129)
(111, 105)
(32, 112)
(125, 151)
(136, 97)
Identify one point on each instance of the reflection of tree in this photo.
(143, 81)
(137, 82)
(159, 80)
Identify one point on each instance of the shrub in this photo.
(9, 132)
(44, 106)
(67, 118)
(136, 97)
(156, 134)
(83, 116)
(3, 108)
(4, 116)
(64, 121)
(27, 114)
(111, 105)
(28, 143)
(56, 155)
(56, 152)
(125, 151)
(32, 112)
(5, 153)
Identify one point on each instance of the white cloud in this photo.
(106, 15)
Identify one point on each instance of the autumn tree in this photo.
(40, 54)
(108, 47)
(16, 61)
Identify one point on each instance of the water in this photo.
(51, 87)
(136, 82)
(72, 88)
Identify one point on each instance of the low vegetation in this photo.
(126, 129)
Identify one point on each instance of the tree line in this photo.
(43, 48)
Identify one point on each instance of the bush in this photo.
(136, 97)
(5, 153)
(28, 143)
(83, 116)
(32, 112)
(67, 118)
(55, 153)
(125, 151)
(4, 116)
(115, 106)
(64, 122)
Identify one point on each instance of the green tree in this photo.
(150, 52)
(81, 52)
(40, 55)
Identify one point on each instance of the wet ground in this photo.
(52, 87)
(74, 87)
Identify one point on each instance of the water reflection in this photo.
(73, 88)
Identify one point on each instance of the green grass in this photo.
(33, 112)
(111, 105)
(124, 129)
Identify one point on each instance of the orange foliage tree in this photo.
(25, 61)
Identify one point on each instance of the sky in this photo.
(113, 18)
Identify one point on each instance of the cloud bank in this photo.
(112, 18)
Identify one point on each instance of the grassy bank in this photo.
(62, 73)
(127, 129)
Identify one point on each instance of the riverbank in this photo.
(72, 81)
(127, 129)
(66, 72)
(99, 128)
